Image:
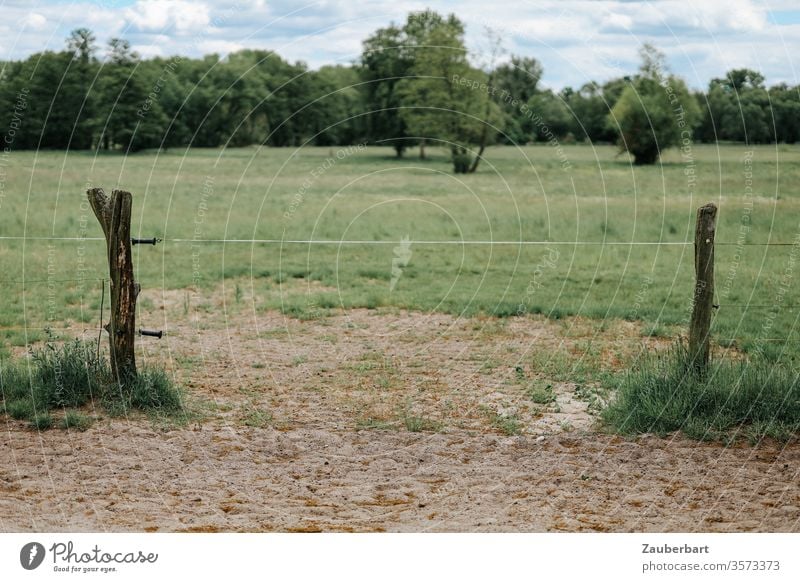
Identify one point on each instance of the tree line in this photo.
(413, 86)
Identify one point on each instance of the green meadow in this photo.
(410, 234)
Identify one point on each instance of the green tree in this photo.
(786, 110)
(444, 98)
(655, 112)
(518, 81)
(385, 61)
(739, 108)
(554, 115)
(337, 112)
(130, 119)
(589, 108)
(78, 93)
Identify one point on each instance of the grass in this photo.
(75, 420)
(65, 376)
(507, 423)
(257, 418)
(661, 394)
(421, 424)
(540, 392)
(42, 421)
(518, 194)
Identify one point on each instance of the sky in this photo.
(575, 40)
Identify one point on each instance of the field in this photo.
(519, 195)
(415, 366)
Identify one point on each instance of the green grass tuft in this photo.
(76, 420)
(661, 394)
(541, 393)
(70, 375)
(421, 424)
(66, 375)
(20, 409)
(42, 421)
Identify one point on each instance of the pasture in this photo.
(365, 204)
(369, 339)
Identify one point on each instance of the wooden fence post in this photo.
(703, 306)
(114, 215)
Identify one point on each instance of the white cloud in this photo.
(147, 51)
(576, 40)
(221, 47)
(35, 21)
(617, 21)
(158, 15)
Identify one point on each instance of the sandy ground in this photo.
(395, 421)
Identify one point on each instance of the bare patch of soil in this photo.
(390, 421)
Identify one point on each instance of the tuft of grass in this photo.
(661, 393)
(42, 421)
(68, 375)
(541, 393)
(371, 423)
(74, 419)
(508, 424)
(71, 375)
(20, 409)
(152, 391)
(421, 424)
(257, 418)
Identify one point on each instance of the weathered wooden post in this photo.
(703, 306)
(114, 215)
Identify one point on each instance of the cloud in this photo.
(160, 15)
(35, 21)
(576, 40)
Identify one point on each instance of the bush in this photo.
(662, 394)
(461, 161)
(654, 112)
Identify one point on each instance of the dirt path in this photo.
(127, 477)
(395, 422)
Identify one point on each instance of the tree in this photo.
(553, 113)
(78, 93)
(444, 98)
(589, 108)
(384, 63)
(655, 112)
(739, 108)
(786, 110)
(129, 120)
(336, 115)
(516, 80)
